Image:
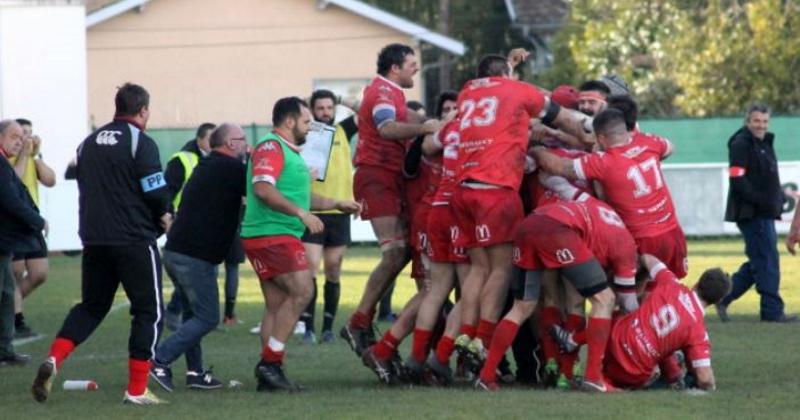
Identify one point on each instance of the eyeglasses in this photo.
(240, 138)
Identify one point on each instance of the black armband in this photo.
(551, 112)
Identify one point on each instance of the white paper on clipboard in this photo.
(317, 149)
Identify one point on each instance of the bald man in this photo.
(205, 227)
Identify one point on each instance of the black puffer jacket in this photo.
(756, 193)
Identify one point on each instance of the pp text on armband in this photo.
(153, 182)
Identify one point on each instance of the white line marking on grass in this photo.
(119, 306)
(23, 341)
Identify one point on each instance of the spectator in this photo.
(200, 239)
(30, 268)
(20, 225)
(179, 169)
(755, 200)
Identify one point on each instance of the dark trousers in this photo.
(104, 267)
(7, 284)
(761, 269)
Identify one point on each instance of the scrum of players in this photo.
(529, 202)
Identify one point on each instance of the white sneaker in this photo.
(300, 328)
(256, 330)
(148, 398)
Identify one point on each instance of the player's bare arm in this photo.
(273, 198)
(794, 233)
(556, 165)
(319, 202)
(394, 130)
(705, 378)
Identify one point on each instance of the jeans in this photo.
(761, 269)
(197, 281)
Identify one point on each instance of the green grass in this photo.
(756, 365)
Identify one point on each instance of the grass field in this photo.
(756, 365)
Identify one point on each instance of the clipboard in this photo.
(317, 149)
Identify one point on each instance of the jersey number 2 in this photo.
(487, 112)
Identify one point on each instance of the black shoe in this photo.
(564, 339)
(23, 331)
(383, 369)
(270, 378)
(504, 373)
(783, 319)
(722, 311)
(162, 375)
(15, 359)
(412, 371)
(358, 339)
(202, 380)
(437, 374)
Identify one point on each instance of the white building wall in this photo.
(43, 79)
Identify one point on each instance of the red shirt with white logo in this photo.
(601, 229)
(448, 139)
(633, 184)
(495, 114)
(384, 102)
(670, 319)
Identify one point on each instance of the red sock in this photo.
(566, 362)
(61, 349)
(579, 337)
(445, 349)
(137, 376)
(271, 356)
(549, 316)
(597, 333)
(470, 330)
(385, 349)
(485, 332)
(670, 369)
(419, 347)
(503, 337)
(360, 320)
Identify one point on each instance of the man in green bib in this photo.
(279, 201)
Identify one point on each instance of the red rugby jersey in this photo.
(384, 101)
(670, 319)
(495, 114)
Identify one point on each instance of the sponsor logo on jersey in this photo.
(107, 137)
(564, 256)
(483, 233)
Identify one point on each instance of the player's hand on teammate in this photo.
(349, 207)
(431, 126)
(312, 222)
(517, 56)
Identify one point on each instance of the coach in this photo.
(123, 207)
(755, 200)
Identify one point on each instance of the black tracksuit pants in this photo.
(104, 267)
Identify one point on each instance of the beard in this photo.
(326, 121)
(299, 138)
